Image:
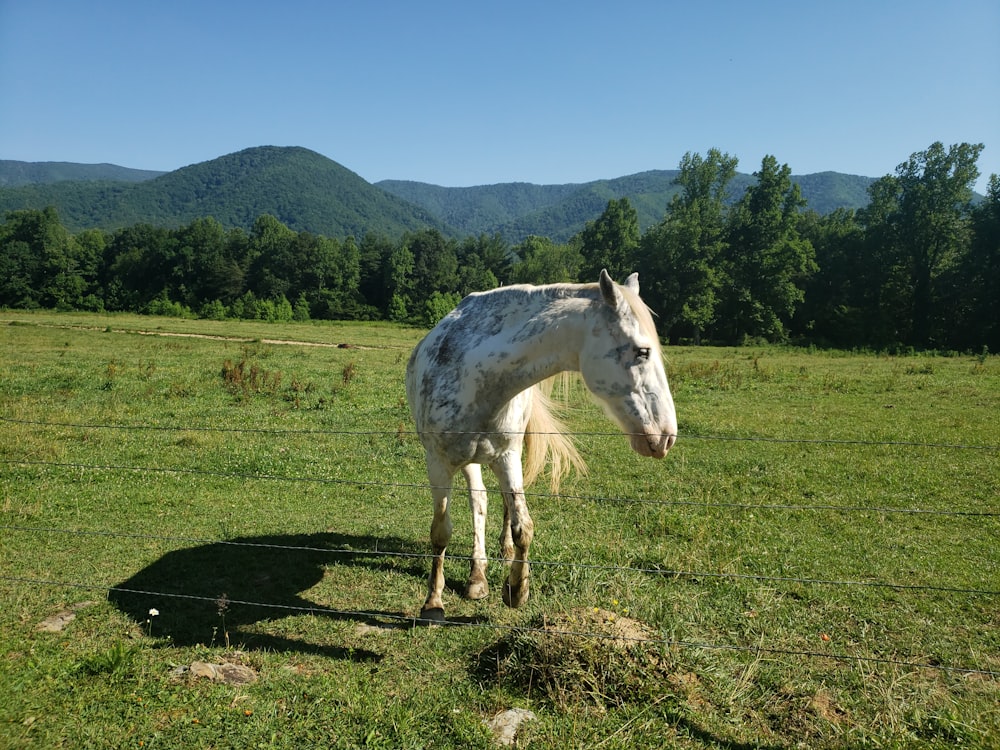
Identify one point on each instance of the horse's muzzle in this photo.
(652, 444)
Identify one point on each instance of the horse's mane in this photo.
(546, 436)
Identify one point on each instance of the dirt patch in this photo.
(617, 630)
(243, 340)
(207, 336)
(825, 707)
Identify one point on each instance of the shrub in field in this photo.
(247, 378)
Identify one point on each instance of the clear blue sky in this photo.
(469, 93)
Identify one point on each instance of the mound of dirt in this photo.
(588, 656)
(618, 630)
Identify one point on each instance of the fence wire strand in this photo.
(562, 496)
(326, 431)
(655, 571)
(521, 629)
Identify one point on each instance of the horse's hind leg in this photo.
(477, 587)
(517, 521)
(441, 526)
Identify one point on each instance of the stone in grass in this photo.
(57, 623)
(231, 674)
(506, 723)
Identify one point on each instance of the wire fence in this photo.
(577, 434)
(402, 620)
(407, 621)
(865, 509)
(657, 571)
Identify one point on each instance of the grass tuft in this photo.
(585, 657)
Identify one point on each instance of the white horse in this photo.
(473, 388)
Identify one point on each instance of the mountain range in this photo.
(310, 192)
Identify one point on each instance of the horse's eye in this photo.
(642, 353)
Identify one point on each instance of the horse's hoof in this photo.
(477, 590)
(515, 596)
(431, 615)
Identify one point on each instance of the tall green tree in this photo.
(330, 276)
(767, 261)
(204, 272)
(678, 258)
(544, 262)
(925, 208)
(837, 306)
(397, 273)
(435, 262)
(885, 290)
(38, 267)
(485, 261)
(137, 267)
(271, 252)
(610, 241)
(89, 250)
(374, 254)
(980, 274)
(348, 281)
(473, 275)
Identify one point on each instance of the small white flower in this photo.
(154, 612)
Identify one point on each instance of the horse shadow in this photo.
(211, 592)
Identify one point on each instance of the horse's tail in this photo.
(545, 438)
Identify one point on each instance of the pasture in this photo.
(814, 564)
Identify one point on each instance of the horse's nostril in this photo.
(671, 439)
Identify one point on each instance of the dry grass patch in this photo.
(584, 657)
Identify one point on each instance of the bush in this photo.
(438, 305)
(397, 311)
(163, 305)
(213, 310)
(301, 310)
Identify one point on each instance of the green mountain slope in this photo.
(309, 192)
(560, 211)
(306, 191)
(484, 208)
(18, 173)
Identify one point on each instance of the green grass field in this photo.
(815, 564)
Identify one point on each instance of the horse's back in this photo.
(444, 392)
(439, 371)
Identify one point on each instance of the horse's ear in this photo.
(608, 290)
(632, 282)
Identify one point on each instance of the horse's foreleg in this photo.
(477, 586)
(506, 537)
(519, 526)
(441, 526)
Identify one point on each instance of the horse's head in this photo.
(622, 366)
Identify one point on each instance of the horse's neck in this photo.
(537, 344)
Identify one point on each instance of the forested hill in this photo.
(304, 190)
(519, 209)
(309, 192)
(18, 173)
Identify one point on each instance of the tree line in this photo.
(918, 267)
